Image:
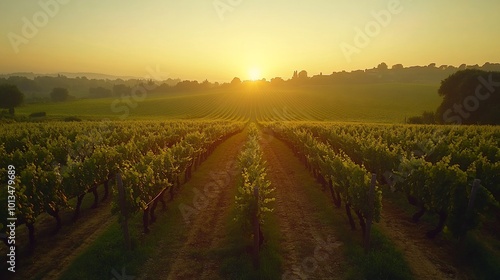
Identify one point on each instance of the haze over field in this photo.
(218, 40)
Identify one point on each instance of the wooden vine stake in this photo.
(369, 218)
(145, 219)
(256, 229)
(475, 187)
(123, 210)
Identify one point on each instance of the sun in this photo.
(254, 74)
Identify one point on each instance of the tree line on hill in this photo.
(39, 88)
(471, 94)
(430, 74)
(11, 96)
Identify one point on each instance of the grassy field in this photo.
(386, 103)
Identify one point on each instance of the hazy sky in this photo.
(192, 39)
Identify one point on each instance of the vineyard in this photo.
(366, 103)
(67, 162)
(434, 167)
(448, 176)
(245, 140)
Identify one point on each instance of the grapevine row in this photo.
(254, 191)
(147, 178)
(435, 168)
(58, 162)
(348, 182)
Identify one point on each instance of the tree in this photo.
(382, 66)
(470, 96)
(99, 92)
(236, 81)
(121, 90)
(187, 85)
(10, 97)
(303, 74)
(277, 81)
(59, 94)
(397, 67)
(24, 84)
(206, 84)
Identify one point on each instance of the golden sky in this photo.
(220, 39)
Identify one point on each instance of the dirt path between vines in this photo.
(428, 259)
(206, 228)
(54, 253)
(310, 249)
(79, 240)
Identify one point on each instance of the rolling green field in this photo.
(385, 103)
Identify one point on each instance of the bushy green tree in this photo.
(59, 94)
(470, 96)
(10, 97)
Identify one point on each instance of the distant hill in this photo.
(95, 85)
(37, 87)
(430, 74)
(88, 75)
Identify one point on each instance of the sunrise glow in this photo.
(254, 74)
(195, 40)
